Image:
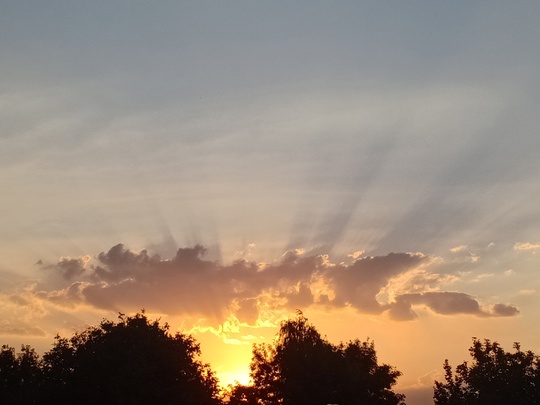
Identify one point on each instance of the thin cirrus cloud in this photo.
(527, 246)
(21, 330)
(188, 284)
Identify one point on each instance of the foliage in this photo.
(495, 377)
(132, 361)
(128, 362)
(301, 367)
(242, 395)
(19, 375)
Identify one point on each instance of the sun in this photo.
(239, 375)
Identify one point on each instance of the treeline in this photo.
(132, 361)
(138, 361)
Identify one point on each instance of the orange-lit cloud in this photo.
(188, 284)
(20, 329)
(526, 246)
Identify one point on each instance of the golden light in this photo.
(235, 376)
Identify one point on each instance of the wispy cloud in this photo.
(20, 329)
(526, 246)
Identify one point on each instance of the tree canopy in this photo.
(138, 361)
(494, 377)
(20, 375)
(302, 367)
(132, 361)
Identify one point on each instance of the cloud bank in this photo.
(121, 279)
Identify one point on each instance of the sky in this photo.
(222, 164)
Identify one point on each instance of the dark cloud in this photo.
(69, 268)
(445, 303)
(119, 263)
(358, 284)
(505, 310)
(189, 284)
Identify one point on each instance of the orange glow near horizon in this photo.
(234, 376)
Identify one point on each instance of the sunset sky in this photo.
(222, 164)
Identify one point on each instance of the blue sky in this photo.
(335, 131)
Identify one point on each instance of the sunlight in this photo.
(238, 375)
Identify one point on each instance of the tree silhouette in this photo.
(132, 361)
(20, 375)
(242, 395)
(301, 367)
(495, 377)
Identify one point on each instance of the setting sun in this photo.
(233, 377)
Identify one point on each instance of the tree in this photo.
(241, 395)
(132, 361)
(20, 375)
(495, 377)
(301, 367)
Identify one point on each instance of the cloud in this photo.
(445, 303)
(20, 329)
(188, 284)
(505, 310)
(18, 312)
(439, 302)
(528, 291)
(526, 246)
(464, 251)
(357, 285)
(70, 268)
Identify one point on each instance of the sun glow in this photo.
(239, 375)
